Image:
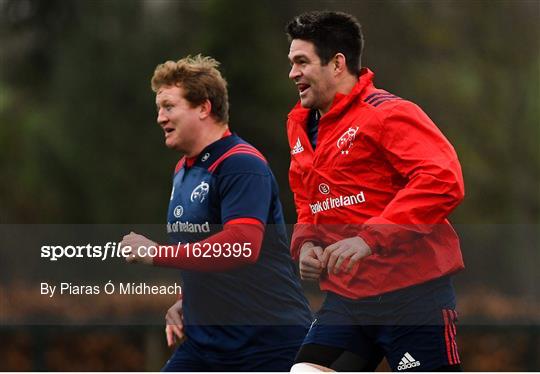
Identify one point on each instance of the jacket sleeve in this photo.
(304, 229)
(420, 153)
(248, 232)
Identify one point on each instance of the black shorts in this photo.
(189, 358)
(414, 328)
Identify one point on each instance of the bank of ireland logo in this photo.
(200, 192)
(178, 211)
(346, 141)
(324, 188)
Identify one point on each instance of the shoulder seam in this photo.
(378, 98)
(237, 149)
(243, 173)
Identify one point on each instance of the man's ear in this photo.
(205, 109)
(339, 63)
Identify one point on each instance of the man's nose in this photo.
(161, 118)
(294, 72)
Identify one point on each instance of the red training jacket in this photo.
(383, 171)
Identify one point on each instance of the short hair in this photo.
(331, 33)
(201, 80)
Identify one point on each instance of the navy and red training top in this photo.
(230, 302)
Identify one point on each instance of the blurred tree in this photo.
(78, 140)
(78, 112)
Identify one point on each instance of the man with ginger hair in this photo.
(242, 307)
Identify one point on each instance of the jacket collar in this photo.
(299, 114)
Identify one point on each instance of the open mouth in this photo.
(168, 130)
(302, 87)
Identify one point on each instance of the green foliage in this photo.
(78, 139)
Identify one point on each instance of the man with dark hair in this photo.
(330, 32)
(242, 306)
(374, 181)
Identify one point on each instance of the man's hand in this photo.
(139, 248)
(174, 329)
(353, 249)
(310, 263)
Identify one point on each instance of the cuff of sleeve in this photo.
(158, 261)
(306, 240)
(297, 246)
(372, 243)
(298, 240)
(163, 260)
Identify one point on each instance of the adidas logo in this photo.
(297, 148)
(408, 362)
